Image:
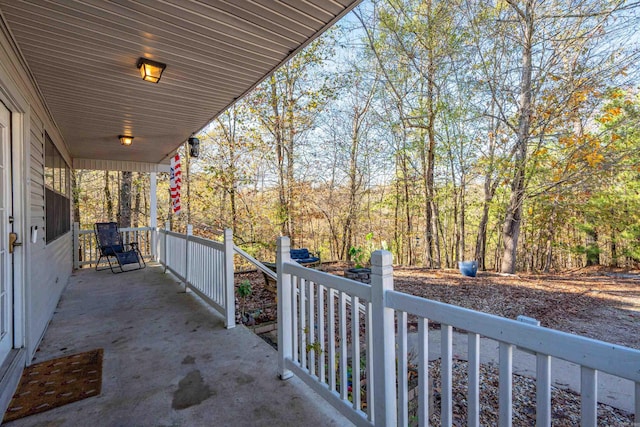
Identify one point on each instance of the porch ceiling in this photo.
(83, 56)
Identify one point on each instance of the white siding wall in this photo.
(46, 284)
(48, 267)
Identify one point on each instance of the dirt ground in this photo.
(599, 303)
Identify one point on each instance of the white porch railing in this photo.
(320, 339)
(205, 266)
(85, 248)
(348, 340)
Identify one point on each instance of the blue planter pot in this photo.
(468, 268)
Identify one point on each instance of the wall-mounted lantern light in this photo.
(150, 71)
(194, 146)
(125, 139)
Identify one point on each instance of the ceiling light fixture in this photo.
(125, 139)
(150, 71)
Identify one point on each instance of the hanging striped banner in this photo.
(175, 182)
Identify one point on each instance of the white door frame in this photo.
(6, 227)
(19, 109)
(20, 209)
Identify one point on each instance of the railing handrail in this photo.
(196, 239)
(305, 312)
(125, 229)
(259, 265)
(173, 233)
(86, 250)
(341, 284)
(602, 356)
(122, 230)
(266, 270)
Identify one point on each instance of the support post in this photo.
(153, 214)
(187, 276)
(383, 328)
(76, 246)
(167, 227)
(285, 314)
(229, 289)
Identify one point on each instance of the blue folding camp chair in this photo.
(111, 247)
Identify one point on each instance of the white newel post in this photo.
(187, 276)
(153, 214)
(384, 364)
(76, 246)
(229, 289)
(285, 316)
(167, 227)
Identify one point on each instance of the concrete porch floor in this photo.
(158, 342)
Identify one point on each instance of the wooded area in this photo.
(506, 132)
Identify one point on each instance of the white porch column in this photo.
(153, 214)
(229, 288)
(187, 261)
(76, 246)
(285, 315)
(384, 363)
(164, 260)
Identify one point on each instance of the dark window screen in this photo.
(57, 192)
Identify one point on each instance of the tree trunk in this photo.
(232, 170)
(463, 246)
(456, 226)
(431, 153)
(289, 151)
(593, 251)
(76, 186)
(548, 261)
(481, 241)
(513, 217)
(137, 200)
(549, 254)
(107, 195)
(490, 186)
(280, 158)
(124, 216)
(404, 175)
(435, 221)
(614, 248)
(396, 216)
(437, 224)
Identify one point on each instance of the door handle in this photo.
(13, 237)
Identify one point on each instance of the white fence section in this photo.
(85, 248)
(348, 341)
(205, 266)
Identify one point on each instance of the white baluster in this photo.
(403, 370)
(588, 397)
(473, 397)
(506, 380)
(446, 365)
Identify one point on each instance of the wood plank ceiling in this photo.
(83, 56)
